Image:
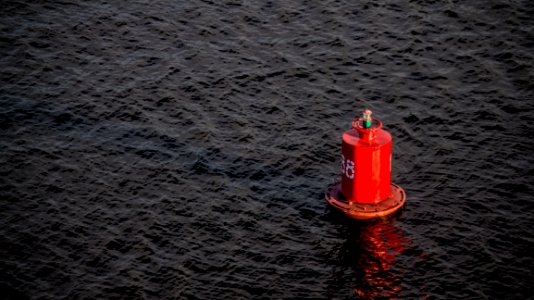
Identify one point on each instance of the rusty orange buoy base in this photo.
(365, 190)
(365, 211)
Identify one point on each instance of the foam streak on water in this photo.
(180, 149)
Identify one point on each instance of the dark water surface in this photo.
(180, 149)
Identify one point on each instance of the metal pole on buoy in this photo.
(365, 190)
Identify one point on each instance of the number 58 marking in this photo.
(347, 167)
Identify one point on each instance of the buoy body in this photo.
(365, 190)
(366, 164)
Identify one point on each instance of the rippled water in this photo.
(180, 149)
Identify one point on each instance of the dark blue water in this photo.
(180, 149)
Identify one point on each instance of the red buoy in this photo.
(365, 190)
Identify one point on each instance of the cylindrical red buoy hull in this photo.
(365, 190)
(366, 164)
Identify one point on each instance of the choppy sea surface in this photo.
(180, 149)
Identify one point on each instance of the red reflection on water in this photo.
(378, 245)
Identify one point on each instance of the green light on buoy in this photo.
(367, 121)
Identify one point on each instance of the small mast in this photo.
(367, 120)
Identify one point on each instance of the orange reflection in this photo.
(372, 250)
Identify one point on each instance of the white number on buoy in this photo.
(347, 167)
(342, 164)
